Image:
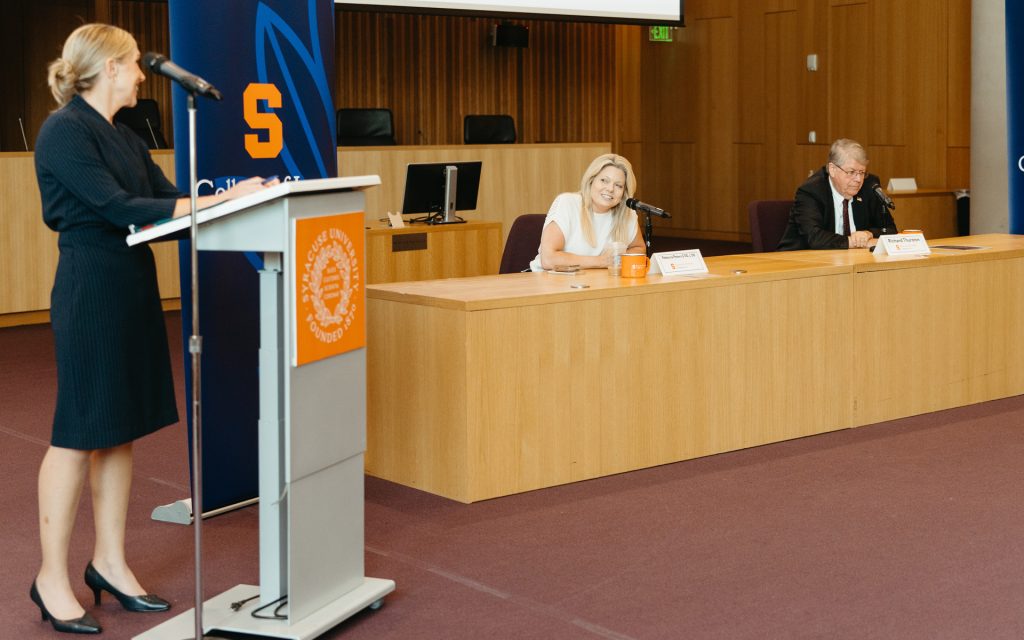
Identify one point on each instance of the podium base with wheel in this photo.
(218, 614)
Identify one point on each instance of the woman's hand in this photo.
(237, 190)
(251, 185)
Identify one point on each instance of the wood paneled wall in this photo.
(431, 71)
(717, 118)
(32, 35)
(147, 21)
(727, 108)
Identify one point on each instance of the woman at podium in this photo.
(581, 227)
(114, 380)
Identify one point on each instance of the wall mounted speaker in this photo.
(507, 34)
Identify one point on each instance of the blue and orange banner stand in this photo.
(1015, 111)
(273, 62)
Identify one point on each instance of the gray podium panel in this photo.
(325, 509)
(326, 413)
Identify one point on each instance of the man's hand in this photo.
(860, 239)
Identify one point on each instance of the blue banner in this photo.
(1015, 111)
(273, 62)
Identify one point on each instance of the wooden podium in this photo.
(312, 425)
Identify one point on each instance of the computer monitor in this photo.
(438, 189)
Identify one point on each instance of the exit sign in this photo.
(660, 34)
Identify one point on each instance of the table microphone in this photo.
(636, 205)
(887, 212)
(883, 196)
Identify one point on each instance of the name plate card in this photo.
(678, 263)
(395, 220)
(902, 244)
(902, 184)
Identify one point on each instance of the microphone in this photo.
(149, 125)
(883, 196)
(887, 211)
(192, 83)
(636, 205)
(23, 138)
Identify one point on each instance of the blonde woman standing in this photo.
(580, 226)
(114, 380)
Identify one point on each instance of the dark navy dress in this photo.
(113, 367)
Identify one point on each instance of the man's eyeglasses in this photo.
(851, 173)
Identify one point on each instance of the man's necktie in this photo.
(846, 217)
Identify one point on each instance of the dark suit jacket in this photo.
(812, 218)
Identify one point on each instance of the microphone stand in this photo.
(891, 227)
(888, 222)
(648, 232)
(195, 348)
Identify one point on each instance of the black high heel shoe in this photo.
(143, 604)
(85, 624)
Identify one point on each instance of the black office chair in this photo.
(522, 243)
(497, 129)
(144, 119)
(768, 220)
(365, 127)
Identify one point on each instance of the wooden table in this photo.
(427, 252)
(952, 321)
(487, 386)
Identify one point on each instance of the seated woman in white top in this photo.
(586, 223)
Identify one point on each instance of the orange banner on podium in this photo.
(329, 306)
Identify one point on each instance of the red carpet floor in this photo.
(908, 529)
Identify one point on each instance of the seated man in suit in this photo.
(836, 208)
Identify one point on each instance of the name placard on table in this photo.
(678, 263)
(902, 244)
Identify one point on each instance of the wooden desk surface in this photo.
(994, 246)
(497, 291)
(520, 289)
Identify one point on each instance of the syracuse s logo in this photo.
(263, 120)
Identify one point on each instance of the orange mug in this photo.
(634, 265)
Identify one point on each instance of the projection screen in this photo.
(668, 12)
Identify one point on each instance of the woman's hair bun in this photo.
(62, 78)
